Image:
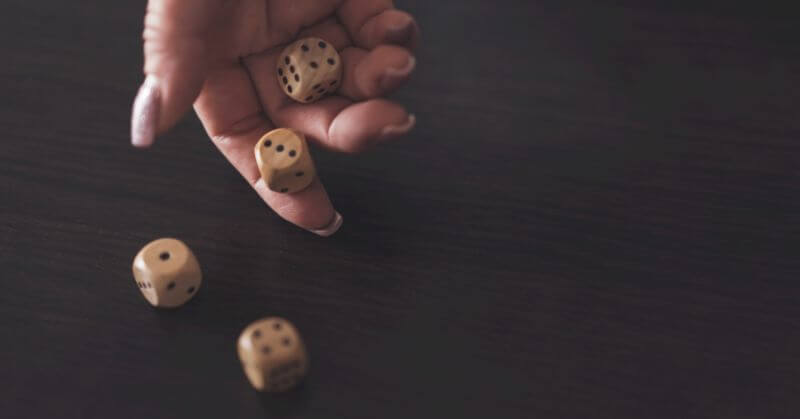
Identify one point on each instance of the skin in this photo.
(219, 57)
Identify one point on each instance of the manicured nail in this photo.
(400, 33)
(399, 129)
(146, 108)
(394, 76)
(331, 228)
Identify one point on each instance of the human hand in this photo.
(220, 56)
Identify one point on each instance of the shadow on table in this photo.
(286, 405)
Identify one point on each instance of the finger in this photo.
(360, 125)
(310, 208)
(370, 74)
(233, 118)
(374, 22)
(345, 127)
(175, 64)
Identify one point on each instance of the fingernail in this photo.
(399, 129)
(392, 76)
(400, 33)
(144, 118)
(331, 228)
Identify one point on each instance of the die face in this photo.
(309, 69)
(284, 160)
(281, 149)
(272, 354)
(148, 292)
(167, 273)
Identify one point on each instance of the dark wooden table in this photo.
(597, 217)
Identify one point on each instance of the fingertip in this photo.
(331, 228)
(145, 113)
(362, 124)
(371, 74)
(390, 27)
(393, 77)
(403, 30)
(308, 209)
(396, 130)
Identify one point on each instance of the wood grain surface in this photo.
(597, 217)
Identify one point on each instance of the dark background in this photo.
(597, 217)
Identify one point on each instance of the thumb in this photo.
(175, 65)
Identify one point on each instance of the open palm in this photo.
(220, 55)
